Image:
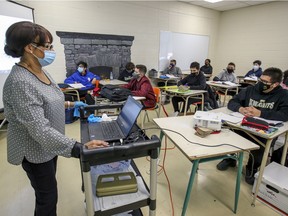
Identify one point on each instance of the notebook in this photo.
(119, 128)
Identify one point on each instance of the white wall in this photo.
(144, 20)
(257, 32)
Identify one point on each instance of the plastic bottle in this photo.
(111, 75)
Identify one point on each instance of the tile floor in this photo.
(213, 190)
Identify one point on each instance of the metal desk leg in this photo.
(238, 180)
(263, 164)
(226, 92)
(190, 184)
(202, 104)
(283, 159)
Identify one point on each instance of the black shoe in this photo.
(249, 175)
(226, 163)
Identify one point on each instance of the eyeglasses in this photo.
(45, 45)
(264, 82)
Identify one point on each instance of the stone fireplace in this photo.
(96, 49)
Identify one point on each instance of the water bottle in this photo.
(111, 75)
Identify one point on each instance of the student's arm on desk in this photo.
(237, 101)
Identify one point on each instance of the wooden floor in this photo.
(213, 190)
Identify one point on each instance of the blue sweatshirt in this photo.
(85, 80)
(257, 73)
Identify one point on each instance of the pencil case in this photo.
(255, 123)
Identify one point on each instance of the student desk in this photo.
(267, 145)
(223, 87)
(199, 154)
(112, 82)
(186, 95)
(166, 81)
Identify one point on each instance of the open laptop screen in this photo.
(128, 115)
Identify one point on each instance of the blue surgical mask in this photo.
(80, 69)
(49, 57)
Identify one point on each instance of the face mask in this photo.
(49, 57)
(172, 65)
(230, 70)
(262, 87)
(194, 74)
(80, 69)
(136, 75)
(255, 67)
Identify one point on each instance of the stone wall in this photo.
(96, 50)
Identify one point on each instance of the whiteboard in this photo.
(184, 48)
(10, 12)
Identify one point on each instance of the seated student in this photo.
(172, 69)
(195, 80)
(227, 74)
(256, 70)
(207, 68)
(140, 86)
(266, 100)
(284, 83)
(83, 76)
(126, 74)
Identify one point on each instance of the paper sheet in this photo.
(76, 85)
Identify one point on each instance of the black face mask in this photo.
(230, 70)
(194, 74)
(262, 87)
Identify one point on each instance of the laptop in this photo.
(121, 127)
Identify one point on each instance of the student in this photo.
(141, 86)
(83, 76)
(36, 113)
(284, 83)
(266, 100)
(172, 69)
(126, 74)
(256, 70)
(207, 68)
(195, 80)
(227, 74)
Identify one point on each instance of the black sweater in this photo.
(194, 82)
(273, 105)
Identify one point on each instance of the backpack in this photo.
(115, 93)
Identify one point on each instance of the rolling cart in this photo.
(118, 152)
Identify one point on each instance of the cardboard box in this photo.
(273, 190)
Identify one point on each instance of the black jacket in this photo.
(195, 83)
(273, 105)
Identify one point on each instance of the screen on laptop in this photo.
(129, 114)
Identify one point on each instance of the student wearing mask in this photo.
(284, 83)
(195, 81)
(266, 100)
(36, 114)
(83, 76)
(140, 86)
(126, 74)
(256, 70)
(172, 69)
(227, 74)
(207, 68)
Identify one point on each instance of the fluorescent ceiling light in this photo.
(213, 1)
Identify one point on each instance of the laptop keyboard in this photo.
(110, 130)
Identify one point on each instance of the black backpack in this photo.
(115, 93)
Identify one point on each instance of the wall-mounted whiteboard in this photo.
(184, 48)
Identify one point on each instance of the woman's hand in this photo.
(93, 144)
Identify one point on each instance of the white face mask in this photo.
(255, 67)
(80, 69)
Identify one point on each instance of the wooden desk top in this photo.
(185, 93)
(112, 82)
(221, 85)
(183, 125)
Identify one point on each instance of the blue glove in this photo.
(78, 104)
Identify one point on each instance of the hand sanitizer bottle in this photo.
(111, 75)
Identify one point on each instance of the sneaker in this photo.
(249, 176)
(226, 163)
(174, 114)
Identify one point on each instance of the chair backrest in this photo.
(102, 71)
(157, 93)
